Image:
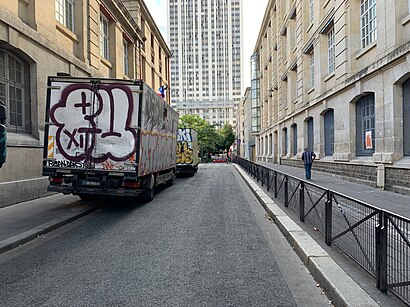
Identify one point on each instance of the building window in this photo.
(329, 133)
(125, 56)
(266, 145)
(365, 125)
(14, 90)
(65, 13)
(285, 48)
(331, 50)
(312, 69)
(285, 141)
(406, 118)
(368, 22)
(153, 78)
(104, 37)
(255, 93)
(310, 136)
(295, 139)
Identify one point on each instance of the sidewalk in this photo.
(389, 201)
(23, 222)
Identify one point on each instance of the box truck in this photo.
(187, 151)
(107, 137)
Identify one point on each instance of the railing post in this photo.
(267, 179)
(328, 219)
(302, 202)
(275, 183)
(262, 176)
(381, 252)
(257, 174)
(286, 191)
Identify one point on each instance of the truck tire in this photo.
(148, 194)
(149, 189)
(171, 181)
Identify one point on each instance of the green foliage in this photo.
(209, 139)
(207, 135)
(226, 137)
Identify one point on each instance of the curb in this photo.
(339, 287)
(31, 234)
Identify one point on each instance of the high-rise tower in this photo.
(205, 41)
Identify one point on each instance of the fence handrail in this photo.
(376, 235)
(370, 206)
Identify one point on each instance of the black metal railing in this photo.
(376, 239)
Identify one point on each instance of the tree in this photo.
(226, 137)
(207, 135)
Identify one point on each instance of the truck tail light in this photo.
(131, 184)
(56, 179)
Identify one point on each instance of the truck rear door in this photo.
(92, 124)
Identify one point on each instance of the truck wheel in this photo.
(171, 181)
(148, 194)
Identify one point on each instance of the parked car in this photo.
(217, 159)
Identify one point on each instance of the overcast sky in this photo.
(252, 12)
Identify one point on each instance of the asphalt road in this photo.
(205, 241)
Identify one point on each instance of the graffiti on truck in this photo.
(119, 166)
(185, 146)
(184, 134)
(184, 153)
(65, 163)
(90, 121)
(158, 136)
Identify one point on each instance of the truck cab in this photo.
(3, 138)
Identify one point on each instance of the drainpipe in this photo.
(88, 34)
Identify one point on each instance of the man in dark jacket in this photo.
(308, 157)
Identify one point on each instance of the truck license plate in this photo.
(90, 183)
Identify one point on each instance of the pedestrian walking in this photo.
(308, 157)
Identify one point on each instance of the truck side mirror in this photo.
(3, 114)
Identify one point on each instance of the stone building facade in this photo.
(334, 76)
(81, 38)
(246, 143)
